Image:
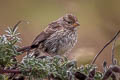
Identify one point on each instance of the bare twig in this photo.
(16, 25)
(95, 58)
(2, 71)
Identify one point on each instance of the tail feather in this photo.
(24, 49)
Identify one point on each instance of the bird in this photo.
(58, 38)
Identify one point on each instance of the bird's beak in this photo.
(76, 24)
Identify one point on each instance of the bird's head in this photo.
(70, 21)
(66, 22)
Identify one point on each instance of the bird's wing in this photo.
(40, 38)
(44, 35)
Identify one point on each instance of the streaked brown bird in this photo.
(58, 38)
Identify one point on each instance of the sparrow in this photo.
(58, 38)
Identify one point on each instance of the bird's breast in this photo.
(60, 42)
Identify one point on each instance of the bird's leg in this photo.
(28, 53)
(46, 54)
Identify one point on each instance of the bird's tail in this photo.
(24, 49)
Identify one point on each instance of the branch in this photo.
(9, 71)
(78, 75)
(95, 58)
(2, 71)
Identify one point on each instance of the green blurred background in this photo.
(99, 19)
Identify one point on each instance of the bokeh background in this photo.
(99, 19)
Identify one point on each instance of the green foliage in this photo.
(56, 67)
(1, 77)
(8, 48)
(85, 69)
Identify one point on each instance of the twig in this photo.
(95, 58)
(9, 71)
(2, 71)
(16, 25)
